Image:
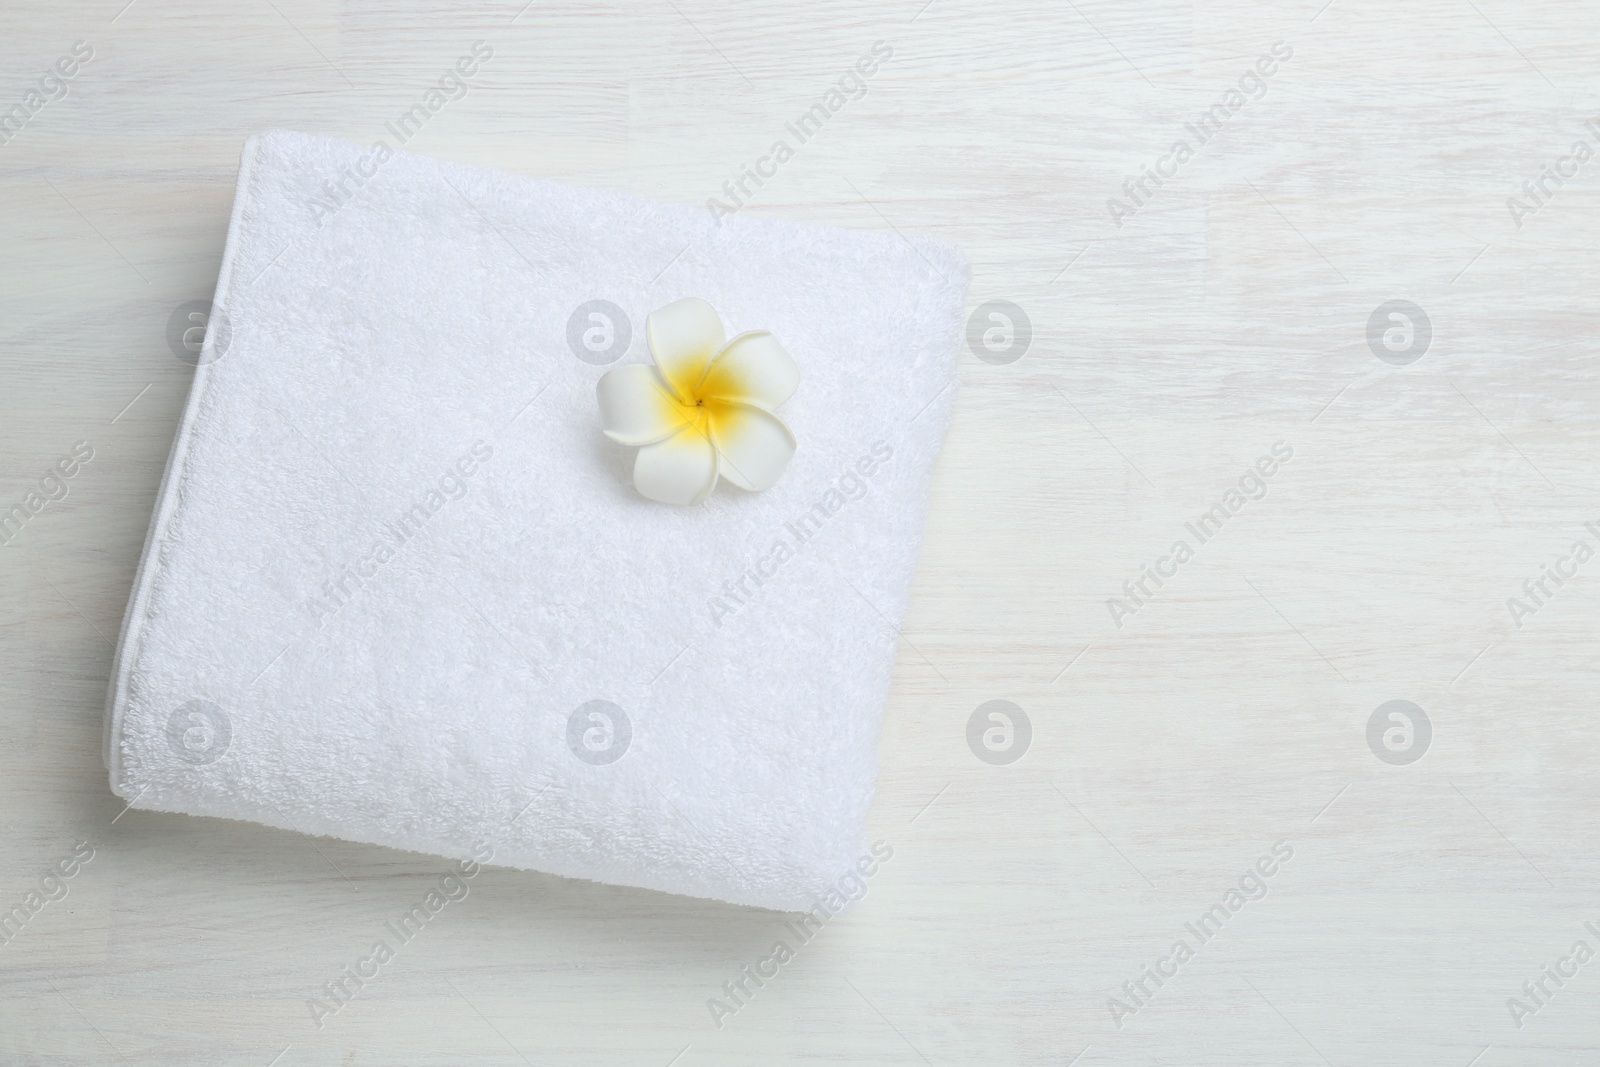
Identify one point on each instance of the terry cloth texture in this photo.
(398, 588)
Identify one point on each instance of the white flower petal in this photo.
(753, 368)
(683, 337)
(680, 470)
(636, 406)
(753, 445)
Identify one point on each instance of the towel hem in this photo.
(128, 642)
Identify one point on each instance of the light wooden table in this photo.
(1228, 714)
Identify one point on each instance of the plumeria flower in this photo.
(705, 410)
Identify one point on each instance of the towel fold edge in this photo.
(125, 659)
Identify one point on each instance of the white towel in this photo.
(398, 588)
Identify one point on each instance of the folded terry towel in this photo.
(399, 588)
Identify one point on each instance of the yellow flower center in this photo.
(706, 406)
(703, 413)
